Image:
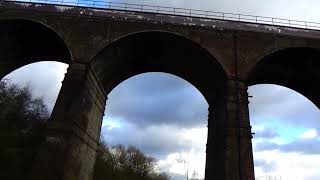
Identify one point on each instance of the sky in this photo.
(307, 10)
(166, 117)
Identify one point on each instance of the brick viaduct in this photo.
(105, 47)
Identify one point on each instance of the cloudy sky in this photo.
(165, 116)
(288, 9)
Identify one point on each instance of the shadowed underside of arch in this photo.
(294, 68)
(24, 41)
(159, 52)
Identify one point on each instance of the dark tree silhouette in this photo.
(121, 163)
(22, 119)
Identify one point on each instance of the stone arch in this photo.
(156, 51)
(26, 41)
(295, 68)
(218, 56)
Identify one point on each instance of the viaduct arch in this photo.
(204, 55)
(25, 41)
(155, 51)
(296, 68)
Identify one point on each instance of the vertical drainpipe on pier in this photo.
(237, 102)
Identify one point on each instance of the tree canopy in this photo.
(121, 163)
(22, 119)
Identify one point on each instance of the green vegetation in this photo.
(22, 125)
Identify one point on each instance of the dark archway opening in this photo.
(159, 52)
(285, 120)
(295, 68)
(25, 41)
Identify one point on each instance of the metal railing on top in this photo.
(194, 13)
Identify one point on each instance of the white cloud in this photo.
(44, 78)
(289, 165)
(181, 163)
(309, 134)
(159, 140)
(110, 124)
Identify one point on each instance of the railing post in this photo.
(94, 2)
(125, 7)
(174, 11)
(256, 19)
(306, 24)
(190, 12)
(158, 9)
(110, 5)
(239, 17)
(272, 21)
(289, 23)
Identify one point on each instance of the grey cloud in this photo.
(157, 98)
(304, 146)
(177, 176)
(276, 102)
(266, 146)
(264, 165)
(265, 133)
(157, 141)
